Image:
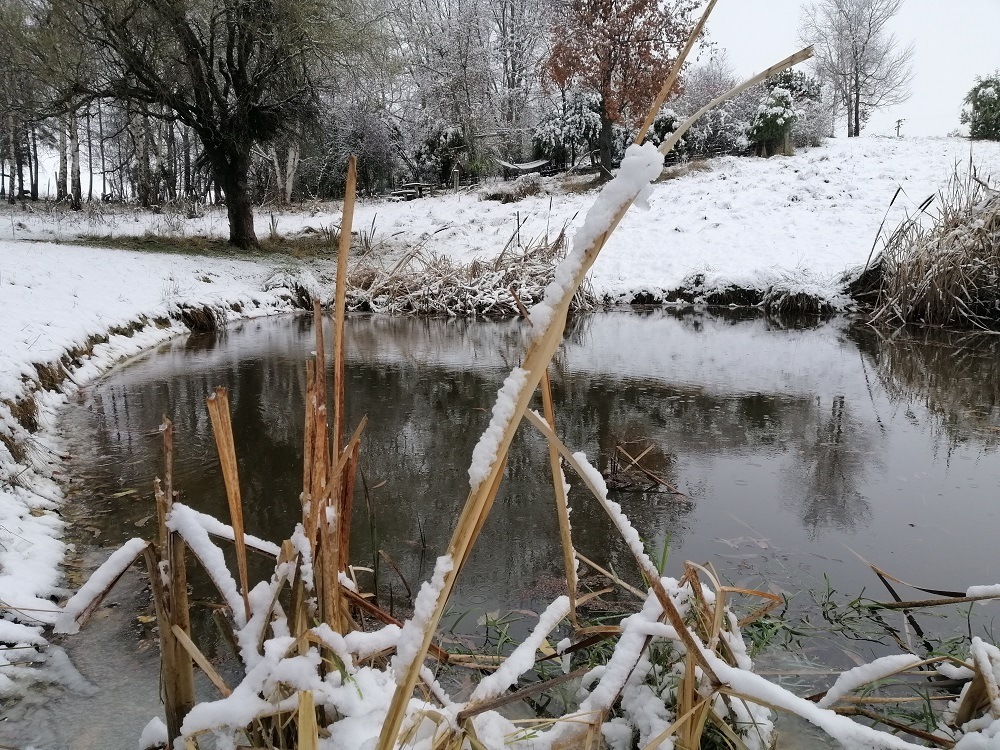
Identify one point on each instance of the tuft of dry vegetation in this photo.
(421, 282)
(513, 191)
(685, 168)
(945, 270)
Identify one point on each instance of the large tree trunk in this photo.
(76, 202)
(61, 176)
(606, 143)
(34, 160)
(232, 173)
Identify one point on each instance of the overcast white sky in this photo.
(955, 40)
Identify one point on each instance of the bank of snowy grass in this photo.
(743, 230)
(69, 313)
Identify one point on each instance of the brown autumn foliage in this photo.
(623, 50)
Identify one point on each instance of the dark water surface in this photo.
(795, 443)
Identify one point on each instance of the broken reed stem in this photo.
(345, 481)
(668, 85)
(675, 137)
(178, 680)
(308, 730)
(218, 410)
(203, 663)
(536, 361)
(481, 496)
(340, 304)
(347, 506)
(562, 502)
(307, 448)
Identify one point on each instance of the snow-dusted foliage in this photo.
(813, 106)
(569, 129)
(442, 150)
(775, 117)
(982, 108)
(724, 129)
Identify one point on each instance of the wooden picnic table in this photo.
(417, 187)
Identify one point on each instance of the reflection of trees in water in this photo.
(954, 375)
(835, 457)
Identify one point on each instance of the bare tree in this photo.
(866, 65)
(236, 72)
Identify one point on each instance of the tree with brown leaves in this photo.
(623, 51)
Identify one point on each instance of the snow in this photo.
(485, 452)
(979, 591)
(215, 527)
(97, 583)
(847, 732)
(185, 521)
(154, 734)
(854, 678)
(412, 635)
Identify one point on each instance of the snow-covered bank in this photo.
(68, 314)
(789, 223)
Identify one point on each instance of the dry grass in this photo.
(513, 191)
(428, 284)
(681, 170)
(946, 271)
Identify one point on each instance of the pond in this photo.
(799, 447)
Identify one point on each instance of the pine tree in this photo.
(983, 113)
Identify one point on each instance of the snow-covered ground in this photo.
(798, 221)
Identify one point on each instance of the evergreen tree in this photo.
(983, 112)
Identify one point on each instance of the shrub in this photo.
(569, 129)
(442, 149)
(983, 109)
(773, 124)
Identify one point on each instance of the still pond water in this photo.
(796, 445)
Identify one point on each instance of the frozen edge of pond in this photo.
(31, 526)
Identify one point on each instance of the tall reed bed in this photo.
(944, 269)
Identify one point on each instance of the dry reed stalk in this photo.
(347, 506)
(178, 679)
(340, 304)
(174, 707)
(668, 85)
(308, 731)
(562, 502)
(203, 663)
(308, 436)
(218, 410)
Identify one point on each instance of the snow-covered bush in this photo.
(443, 148)
(772, 127)
(724, 129)
(570, 128)
(982, 112)
(511, 192)
(814, 120)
